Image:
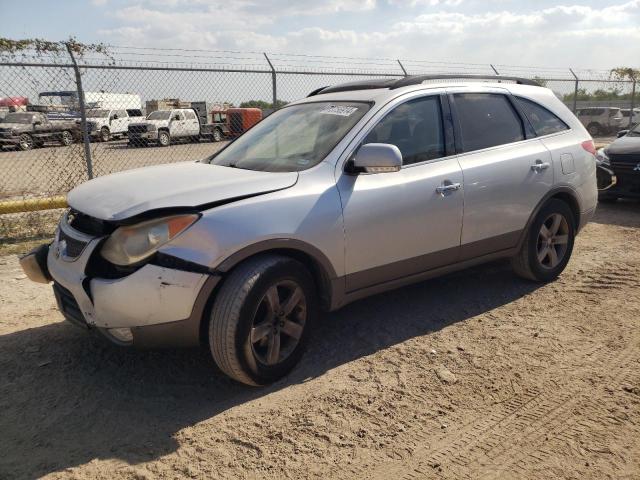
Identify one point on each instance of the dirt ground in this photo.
(474, 375)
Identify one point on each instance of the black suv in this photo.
(622, 157)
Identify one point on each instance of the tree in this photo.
(625, 73)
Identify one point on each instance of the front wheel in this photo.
(25, 142)
(261, 319)
(594, 129)
(548, 245)
(164, 139)
(66, 138)
(105, 134)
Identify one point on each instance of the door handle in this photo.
(540, 166)
(447, 187)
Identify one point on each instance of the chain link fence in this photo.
(67, 118)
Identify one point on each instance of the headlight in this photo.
(132, 244)
(601, 157)
(151, 127)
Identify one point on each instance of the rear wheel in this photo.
(261, 319)
(26, 142)
(164, 139)
(548, 245)
(217, 135)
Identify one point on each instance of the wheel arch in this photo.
(565, 194)
(311, 257)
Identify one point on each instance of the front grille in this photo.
(74, 247)
(68, 305)
(137, 128)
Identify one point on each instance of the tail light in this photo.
(589, 146)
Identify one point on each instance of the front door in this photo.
(507, 171)
(403, 223)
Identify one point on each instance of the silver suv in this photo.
(601, 120)
(357, 189)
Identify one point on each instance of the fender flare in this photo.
(564, 190)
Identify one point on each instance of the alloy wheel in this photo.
(279, 322)
(26, 142)
(553, 239)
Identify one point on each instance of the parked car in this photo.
(164, 126)
(360, 188)
(27, 130)
(103, 124)
(622, 159)
(626, 113)
(601, 120)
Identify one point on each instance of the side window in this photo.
(415, 127)
(190, 115)
(543, 121)
(122, 114)
(487, 120)
(180, 115)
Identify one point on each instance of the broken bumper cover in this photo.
(154, 306)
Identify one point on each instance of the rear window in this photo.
(543, 121)
(487, 120)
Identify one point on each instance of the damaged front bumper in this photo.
(154, 306)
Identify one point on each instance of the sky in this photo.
(598, 34)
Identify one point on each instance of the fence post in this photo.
(83, 113)
(633, 102)
(273, 80)
(575, 92)
(494, 69)
(403, 69)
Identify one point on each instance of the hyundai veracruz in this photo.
(357, 189)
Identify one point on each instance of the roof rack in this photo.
(415, 80)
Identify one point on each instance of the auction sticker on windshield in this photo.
(342, 110)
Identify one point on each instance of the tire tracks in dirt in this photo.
(507, 437)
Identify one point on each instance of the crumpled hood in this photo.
(126, 194)
(622, 145)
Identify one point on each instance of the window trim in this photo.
(567, 129)
(524, 122)
(445, 119)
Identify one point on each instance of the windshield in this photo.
(159, 115)
(18, 118)
(292, 139)
(97, 113)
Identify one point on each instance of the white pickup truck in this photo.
(164, 126)
(103, 124)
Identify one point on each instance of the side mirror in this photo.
(36, 123)
(176, 117)
(622, 133)
(115, 116)
(376, 158)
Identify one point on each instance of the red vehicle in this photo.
(231, 122)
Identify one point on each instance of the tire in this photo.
(242, 329)
(105, 134)
(66, 138)
(594, 129)
(217, 135)
(531, 262)
(26, 142)
(164, 139)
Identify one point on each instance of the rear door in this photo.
(507, 170)
(192, 125)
